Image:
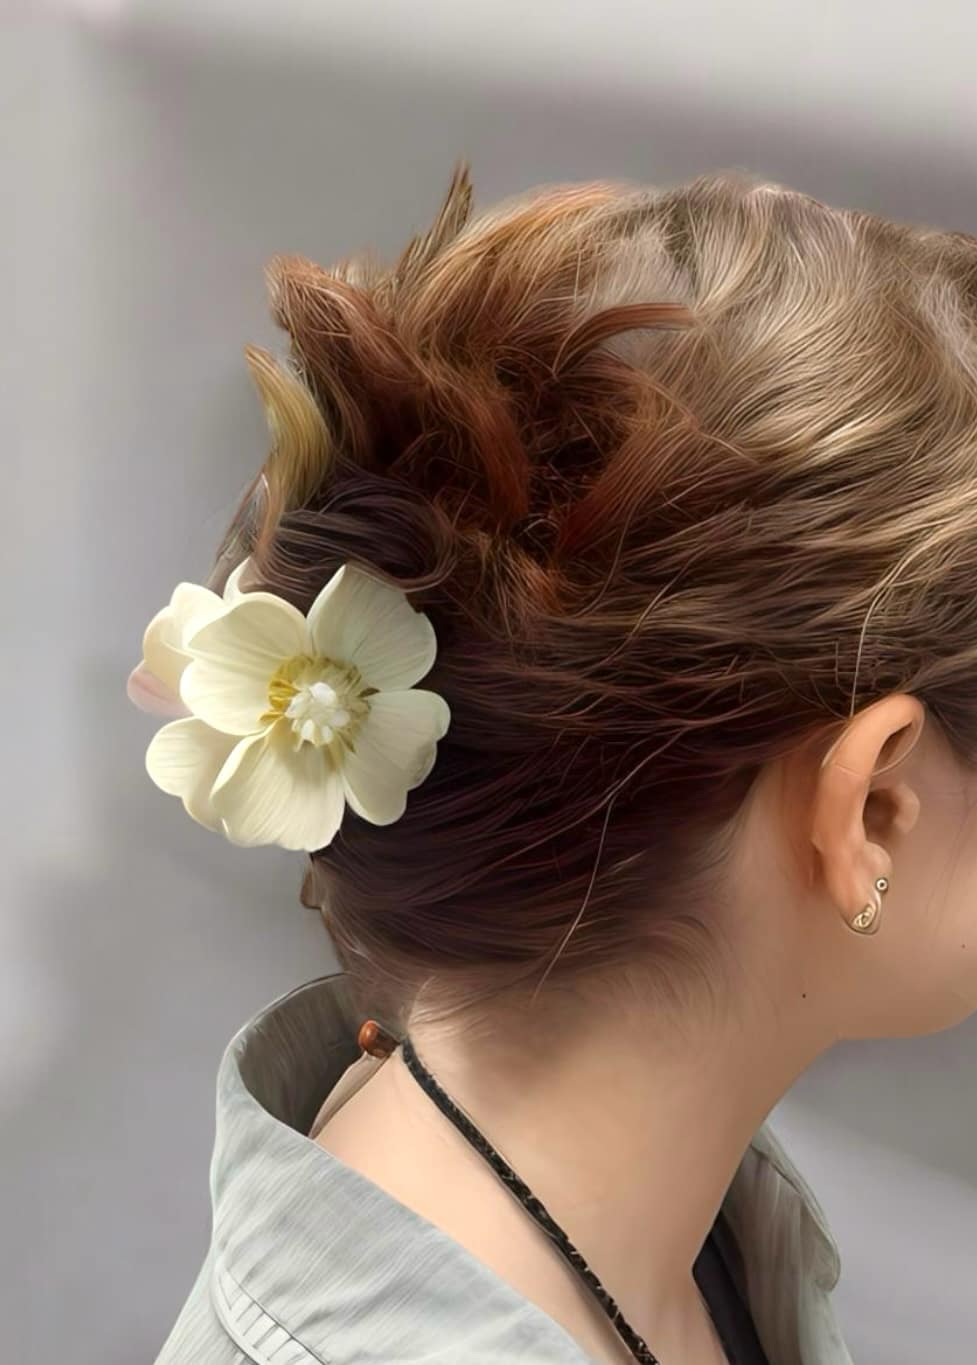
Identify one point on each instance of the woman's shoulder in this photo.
(198, 1333)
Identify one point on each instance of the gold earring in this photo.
(868, 919)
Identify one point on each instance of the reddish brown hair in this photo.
(681, 478)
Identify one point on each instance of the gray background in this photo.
(154, 156)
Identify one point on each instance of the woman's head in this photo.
(685, 480)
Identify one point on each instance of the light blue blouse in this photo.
(311, 1263)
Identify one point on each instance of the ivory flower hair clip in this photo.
(283, 720)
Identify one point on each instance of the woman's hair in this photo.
(682, 478)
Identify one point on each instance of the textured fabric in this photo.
(717, 1271)
(311, 1263)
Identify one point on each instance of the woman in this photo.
(603, 626)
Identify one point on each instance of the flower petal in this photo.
(232, 588)
(395, 751)
(163, 639)
(234, 658)
(191, 606)
(184, 759)
(146, 691)
(359, 620)
(269, 793)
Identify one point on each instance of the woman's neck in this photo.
(629, 1133)
(632, 1134)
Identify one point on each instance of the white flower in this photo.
(288, 719)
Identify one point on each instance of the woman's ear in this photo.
(857, 814)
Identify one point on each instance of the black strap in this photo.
(720, 1274)
(638, 1347)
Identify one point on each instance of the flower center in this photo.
(325, 700)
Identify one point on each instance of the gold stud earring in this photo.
(869, 918)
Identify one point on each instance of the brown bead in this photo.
(374, 1040)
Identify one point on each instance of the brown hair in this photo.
(681, 477)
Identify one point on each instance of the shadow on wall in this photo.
(331, 153)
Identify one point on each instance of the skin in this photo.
(632, 1130)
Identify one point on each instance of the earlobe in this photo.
(851, 864)
(869, 918)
